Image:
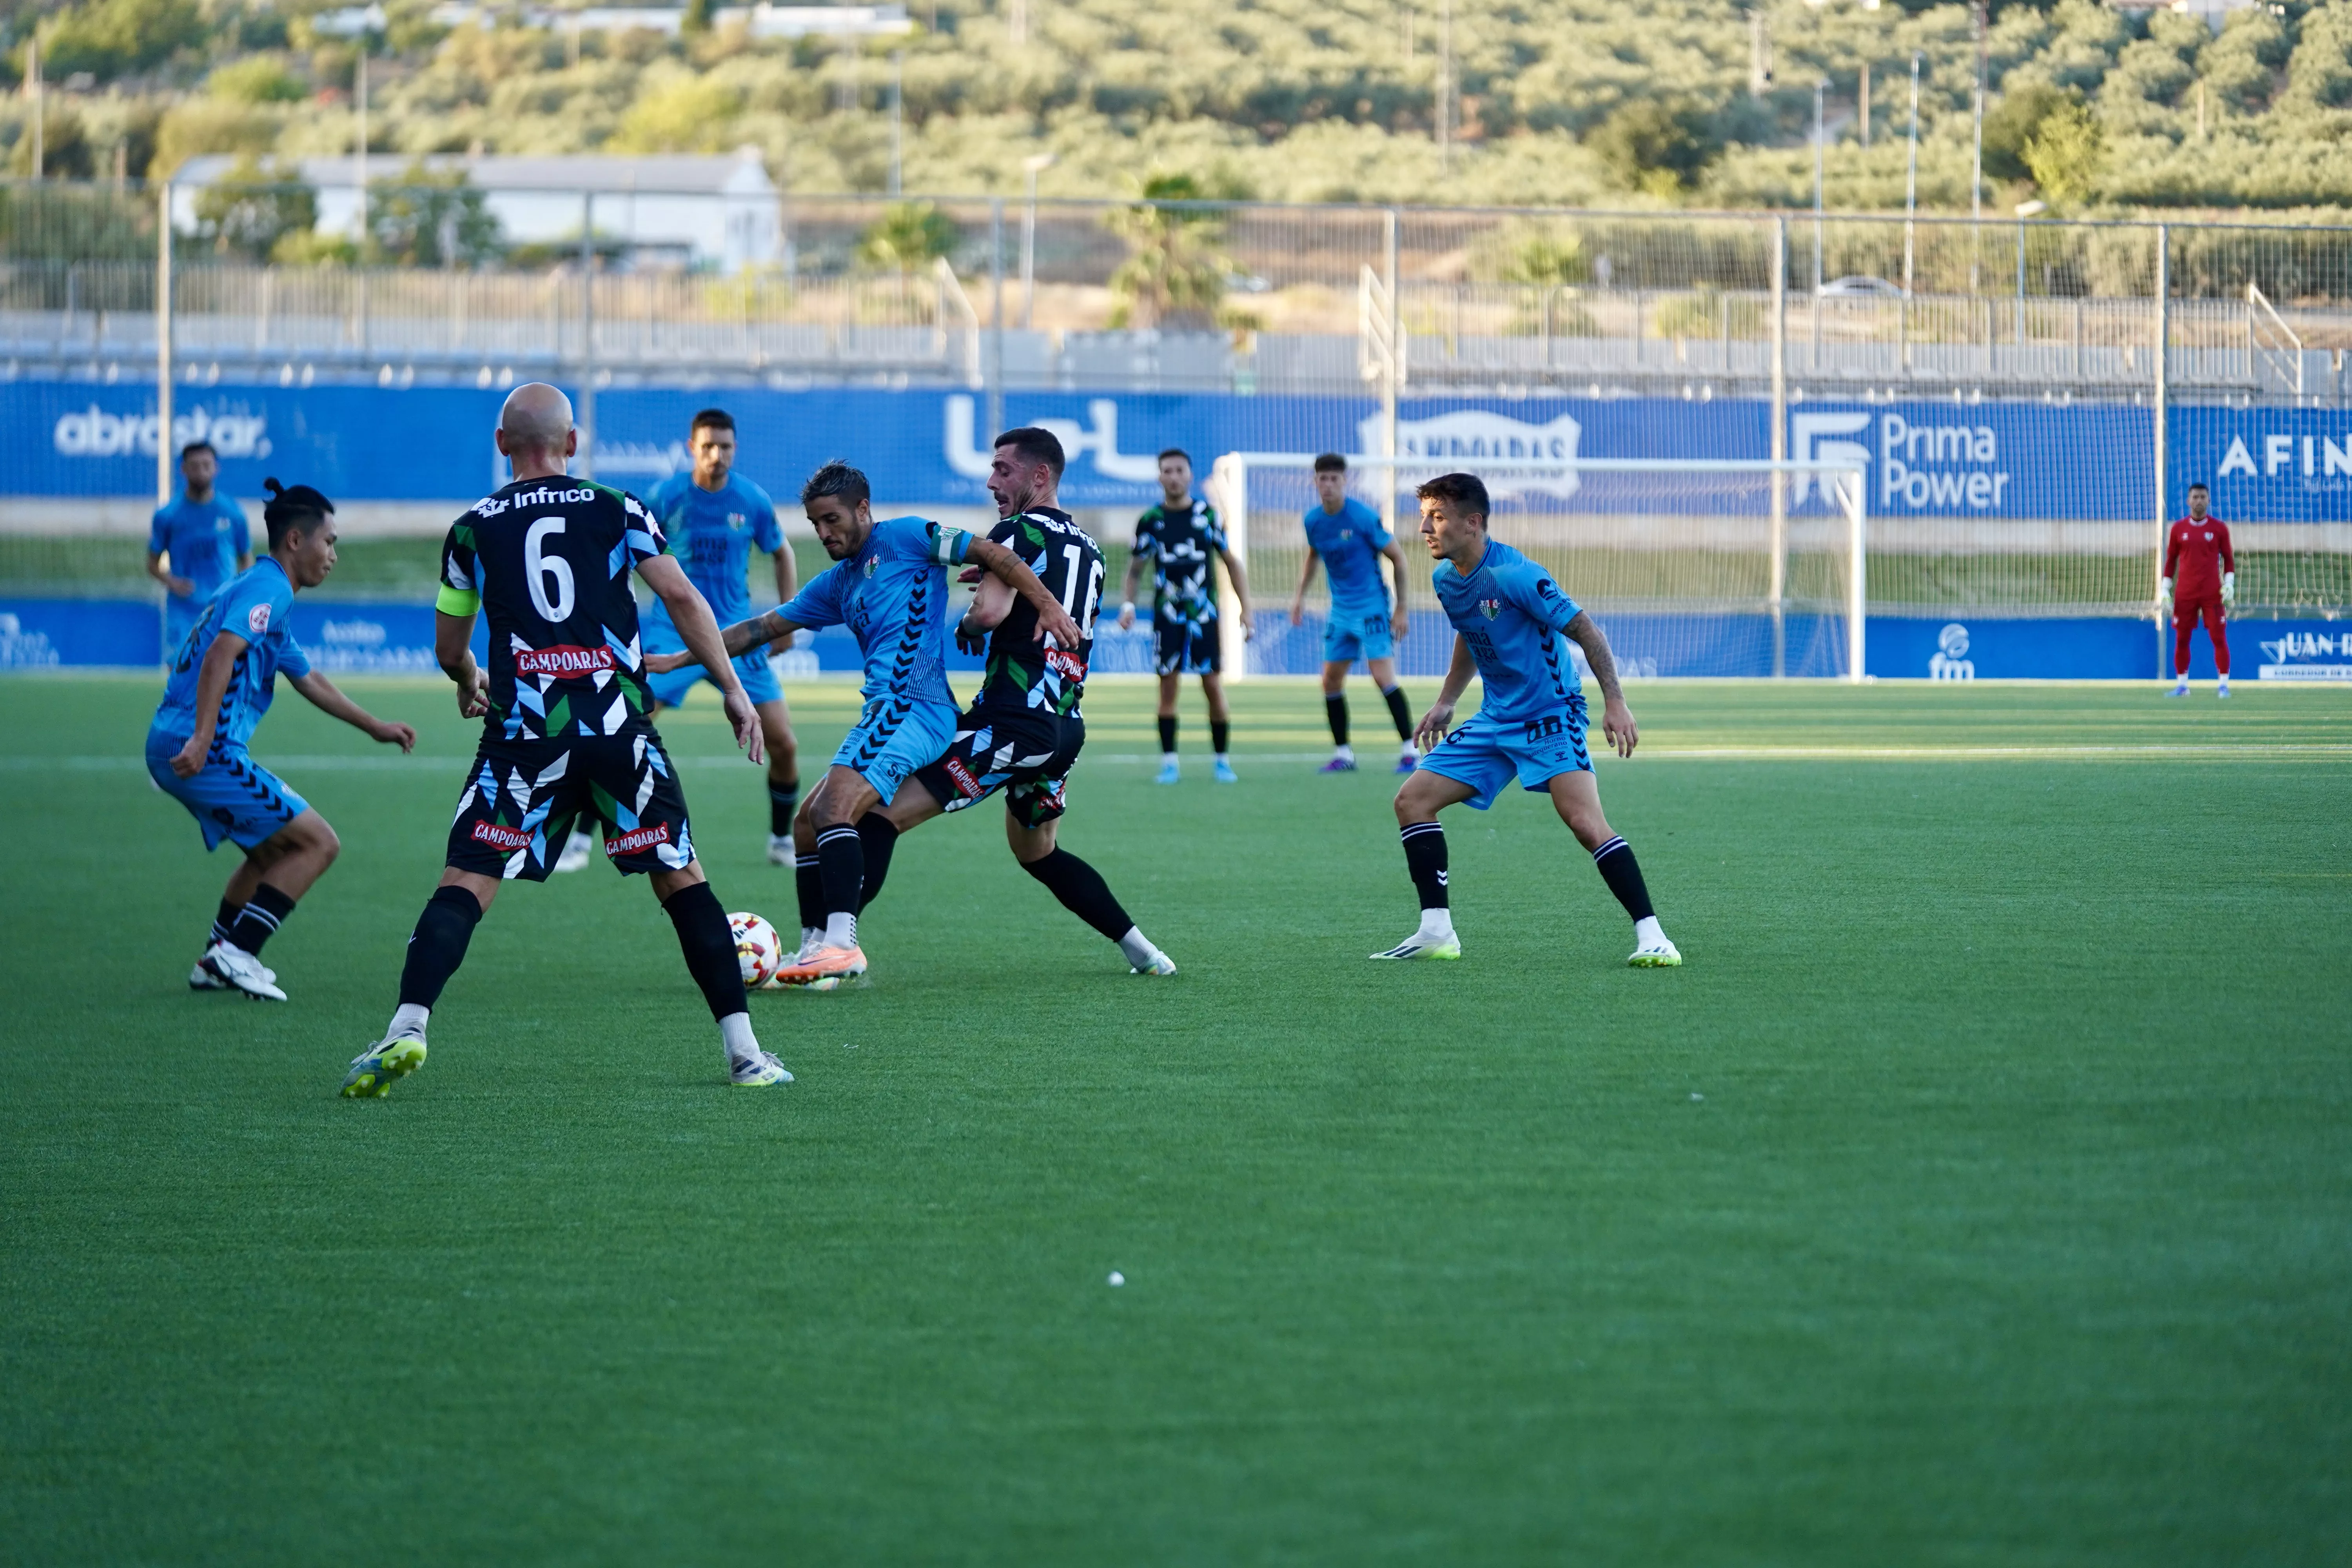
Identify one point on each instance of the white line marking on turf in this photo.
(2274, 750)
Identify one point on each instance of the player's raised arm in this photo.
(1305, 581)
(1616, 719)
(212, 685)
(1010, 569)
(690, 614)
(330, 699)
(1440, 718)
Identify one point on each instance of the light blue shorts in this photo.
(1348, 638)
(895, 736)
(1485, 752)
(670, 690)
(232, 798)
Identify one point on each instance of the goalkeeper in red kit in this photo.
(2200, 580)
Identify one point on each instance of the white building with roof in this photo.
(704, 212)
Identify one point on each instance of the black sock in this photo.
(1082, 890)
(808, 882)
(841, 863)
(710, 947)
(1220, 736)
(259, 921)
(438, 945)
(1334, 709)
(1624, 874)
(878, 836)
(783, 800)
(1399, 712)
(225, 920)
(1168, 733)
(1424, 857)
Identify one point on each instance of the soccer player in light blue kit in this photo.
(1512, 627)
(1346, 535)
(888, 585)
(196, 544)
(713, 517)
(222, 679)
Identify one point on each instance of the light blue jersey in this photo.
(1511, 613)
(255, 607)
(1350, 541)
(203, 539)
(892, 595)
(711, 532)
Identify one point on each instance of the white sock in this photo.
(1137, 947)
(1167, 758)
(408, 1022)
(1226, 758)
(841, 929)
(1436, 925)
(735, 1033)
(1344, 752)
(1648, 932)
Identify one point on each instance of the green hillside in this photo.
(1558, 100)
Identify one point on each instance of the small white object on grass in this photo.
(1696, 1095)
(1117, 1278)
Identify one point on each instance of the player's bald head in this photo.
(535, 416)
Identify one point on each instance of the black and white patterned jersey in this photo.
(1179, 542)
(549, 559)
(1025, 668)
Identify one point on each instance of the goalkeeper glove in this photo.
(2228, 587)
(2164, 592)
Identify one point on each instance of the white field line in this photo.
(2284, 751)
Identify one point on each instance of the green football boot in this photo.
(375, 1069)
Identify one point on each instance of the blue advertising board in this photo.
(2268, 465)
(926, 446)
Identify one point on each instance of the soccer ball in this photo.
(757, 948)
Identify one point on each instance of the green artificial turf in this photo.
(1981, 1192)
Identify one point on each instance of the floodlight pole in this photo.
(995, 315)
(1392, 372)
(1780, 547)
(1911, 184)
(163, 344)
(1813, 310)
(586, 412)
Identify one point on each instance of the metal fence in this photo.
(1236, 297)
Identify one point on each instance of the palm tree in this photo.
(1174, 274)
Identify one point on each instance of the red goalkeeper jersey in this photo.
(2196, 553)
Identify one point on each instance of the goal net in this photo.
(1693, 568)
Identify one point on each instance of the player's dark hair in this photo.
(837, 478)
(1169, 452)
(1464, 492)
(199, 447)
(712, 419)
(1036, 446)
(1330, 463)
(2199, 485)
(292, 507)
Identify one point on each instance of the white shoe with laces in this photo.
(755, 1071)
(1425, 945)
(202, 979)
(780, 850)
(1656, 952)
(232, 965)
(576, 851)
(1158, 964)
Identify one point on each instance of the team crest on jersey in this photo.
(738, 521)
(871, 563)
(256, 619)
(1490, 608)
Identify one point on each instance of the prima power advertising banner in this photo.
(2021, 460)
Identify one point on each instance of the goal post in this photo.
(1719, 567)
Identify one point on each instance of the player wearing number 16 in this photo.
(564, 733)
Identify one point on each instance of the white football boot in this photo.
(202, 979)
(781, 851)
(232, 965)
(755, 1071)
(1651, 948)
(1432, 941)
(576, 851)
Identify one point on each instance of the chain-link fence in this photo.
(1189, 296)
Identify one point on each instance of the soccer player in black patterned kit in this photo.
(564, 730)
(1024, 730)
